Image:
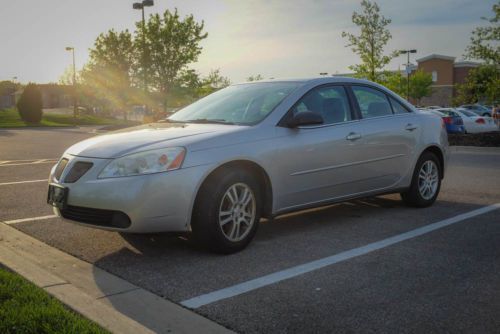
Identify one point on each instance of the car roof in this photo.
(317, 80)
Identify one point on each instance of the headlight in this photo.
(147, 162)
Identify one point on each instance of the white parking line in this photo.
(26, 162)
(279, 276)
(23, 220)
(19, 182)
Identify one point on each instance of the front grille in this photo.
(60, 168)
(98, 217)
(77, 171)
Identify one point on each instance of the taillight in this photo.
(447, 120)
(480, 121)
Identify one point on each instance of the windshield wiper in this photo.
(209, 121)
(167, 120)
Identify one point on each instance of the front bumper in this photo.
(159, 202)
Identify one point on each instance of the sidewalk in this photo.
(110, 301)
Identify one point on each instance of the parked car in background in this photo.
(249, 151)
(452, 121)
(474, 123)
(478, 109)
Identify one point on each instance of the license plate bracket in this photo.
(57, 196)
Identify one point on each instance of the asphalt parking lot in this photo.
(441, 280)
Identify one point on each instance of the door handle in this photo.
(353, 136)
(410, 127)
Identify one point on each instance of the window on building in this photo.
(434, 76)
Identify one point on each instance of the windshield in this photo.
(240, 104)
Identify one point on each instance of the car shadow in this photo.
(159, 244)
(174, 267)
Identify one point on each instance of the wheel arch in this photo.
(252, 167)
(436, 150)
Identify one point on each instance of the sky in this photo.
(274, 38)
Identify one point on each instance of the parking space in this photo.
(444, 280)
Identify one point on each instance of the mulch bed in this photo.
(489, 139)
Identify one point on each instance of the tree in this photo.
(172, 44)
(370, 43)
(484, 42)
(108, 73)
(191, 86)
(7, 87)
(30, 104)
(255, 78)
(216, 80)
(481, 85)
(395, 82)
(420, 85)
(67, 77)
(213, 82)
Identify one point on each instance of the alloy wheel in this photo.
(428, 179)
(237, 212)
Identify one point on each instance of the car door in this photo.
(315, 163)
(389, 133)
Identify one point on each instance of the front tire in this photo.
(227, 211)
(426, 182)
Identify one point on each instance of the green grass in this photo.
(9, 118)
(25, 308)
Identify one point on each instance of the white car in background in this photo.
(474, 123)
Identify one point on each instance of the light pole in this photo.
(408, 71)
(75, 107)
(141, 5)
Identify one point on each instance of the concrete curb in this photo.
(106, 299)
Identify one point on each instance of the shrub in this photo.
(30, 104)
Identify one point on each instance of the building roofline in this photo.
(466, 64)
(435, 56)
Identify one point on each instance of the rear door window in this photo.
(397, 107)
(372, 103)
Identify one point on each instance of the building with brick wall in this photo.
(446, 73)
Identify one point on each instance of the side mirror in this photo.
(305, 118)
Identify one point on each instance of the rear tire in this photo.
(426, 182)
(227, 211)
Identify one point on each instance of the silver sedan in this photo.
(248, 151)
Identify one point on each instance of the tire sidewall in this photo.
(206, 216)
(414, 190)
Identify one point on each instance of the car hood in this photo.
(145, 137)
